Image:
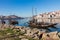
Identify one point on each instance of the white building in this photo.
(55, 14)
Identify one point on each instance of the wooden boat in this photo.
(3, 22)
(34, 24)
(41, 25)
(13, 22)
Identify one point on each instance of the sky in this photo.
(23, 8)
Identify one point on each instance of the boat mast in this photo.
(36, 11)
(32, 13)
(36, 14)
(33, 20)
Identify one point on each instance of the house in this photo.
(49, 15)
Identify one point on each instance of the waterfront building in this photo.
(49, 15)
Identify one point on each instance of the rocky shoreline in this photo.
(10, 32)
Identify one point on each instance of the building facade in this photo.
(49, 15)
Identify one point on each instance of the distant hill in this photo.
(10, 17)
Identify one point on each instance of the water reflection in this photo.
(52, 21)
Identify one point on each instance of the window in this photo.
(50, 16)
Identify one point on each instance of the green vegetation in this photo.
(12, 34)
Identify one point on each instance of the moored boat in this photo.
(41, 25)
(13, 22)
(37, 24)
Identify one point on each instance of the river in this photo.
(23, 22)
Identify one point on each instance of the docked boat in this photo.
(35, 24)
(41, 24)
(13, 22)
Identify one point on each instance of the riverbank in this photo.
(10, 32)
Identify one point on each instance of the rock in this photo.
(17, 27)
(46, 37)
(8, 33)
(54, 35)
(59, 34)
(36, 37)
(24, 39)
(26, 32)
(21, 36)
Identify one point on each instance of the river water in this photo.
(23, 22)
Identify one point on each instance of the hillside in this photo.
(10, 17)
